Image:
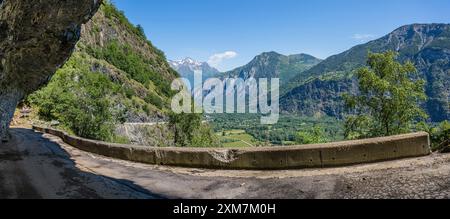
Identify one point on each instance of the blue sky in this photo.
(229, 33)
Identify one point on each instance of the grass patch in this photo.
(237, 139)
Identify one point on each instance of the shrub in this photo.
(439, 134)
(189, 131)
(314, 136)
(80, 100)
(154, 100)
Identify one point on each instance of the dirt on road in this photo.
(35, 165)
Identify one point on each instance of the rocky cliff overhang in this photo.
(36, 38)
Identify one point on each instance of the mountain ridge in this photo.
(275, 65)
(426, 45)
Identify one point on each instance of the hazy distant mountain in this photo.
(319, 90)
(274, 65)
(187, 66)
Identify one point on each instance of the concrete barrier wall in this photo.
(266, 158)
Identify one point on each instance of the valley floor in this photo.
(34, 165)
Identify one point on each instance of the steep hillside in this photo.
(114, 76)
(426, 45)
(274, 65)
(131, 60)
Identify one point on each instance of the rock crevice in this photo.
(36, 38)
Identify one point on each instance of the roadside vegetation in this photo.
(80, 102)
(440, 135)
(389, 99)
(190, 131)
(389, 102)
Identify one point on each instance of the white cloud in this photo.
(363, 37)
(216, 59)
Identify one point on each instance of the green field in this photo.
(241, 129)
(237, 139)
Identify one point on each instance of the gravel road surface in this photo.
(35, 165)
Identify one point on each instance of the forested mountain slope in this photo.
(426, 45)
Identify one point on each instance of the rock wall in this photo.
(36, 38)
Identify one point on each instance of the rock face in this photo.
(36, 38)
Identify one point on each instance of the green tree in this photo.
(314, 136)
(80, 100)
(141, 31)
(389, 98)
(442, 136)
(183, 126)
(439, 135)
(189, 131)
(205, 137)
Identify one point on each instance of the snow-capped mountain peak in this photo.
(190, 61)
(186, 68)
(187, 62)
(191, 65)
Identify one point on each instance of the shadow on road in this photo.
(34, 167)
